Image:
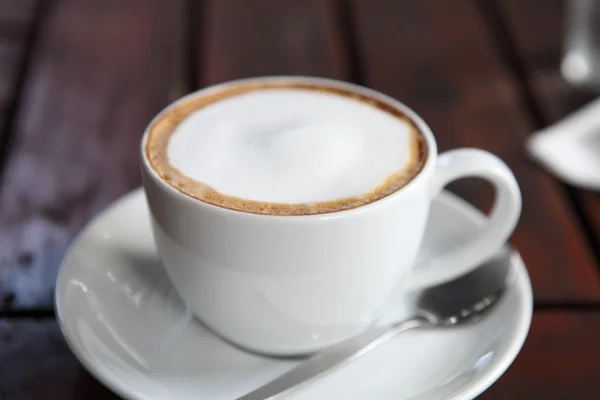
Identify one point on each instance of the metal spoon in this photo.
(463, 300)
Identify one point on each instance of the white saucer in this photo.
(129, 328)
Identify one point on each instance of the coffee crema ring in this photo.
(163, 127)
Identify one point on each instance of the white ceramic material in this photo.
(126, 324)
(570, 148)
(295, 284)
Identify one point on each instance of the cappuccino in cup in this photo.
(286, 210)
(285, 148)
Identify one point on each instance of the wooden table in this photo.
(80, 79)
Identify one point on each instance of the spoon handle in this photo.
(334, 356)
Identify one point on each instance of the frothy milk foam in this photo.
(278, 149)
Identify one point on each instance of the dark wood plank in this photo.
(37, 364)
(15, 14)
(540, 50)
(558, 361)
(438, 57)
(272, 37)
(100, 71)
(16, 24)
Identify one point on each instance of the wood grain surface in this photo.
(272, 37)
(99, 72)
(558, 361)
(440, 59)
(540, 49)
(36, 364)
(16, 29)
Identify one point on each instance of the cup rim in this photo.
(326, 82)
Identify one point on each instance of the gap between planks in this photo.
(41, 9)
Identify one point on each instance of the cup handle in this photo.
(461, 163)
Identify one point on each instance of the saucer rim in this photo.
(470, 391)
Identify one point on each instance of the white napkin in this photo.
(570, 149)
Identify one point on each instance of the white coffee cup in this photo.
(287, 285)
